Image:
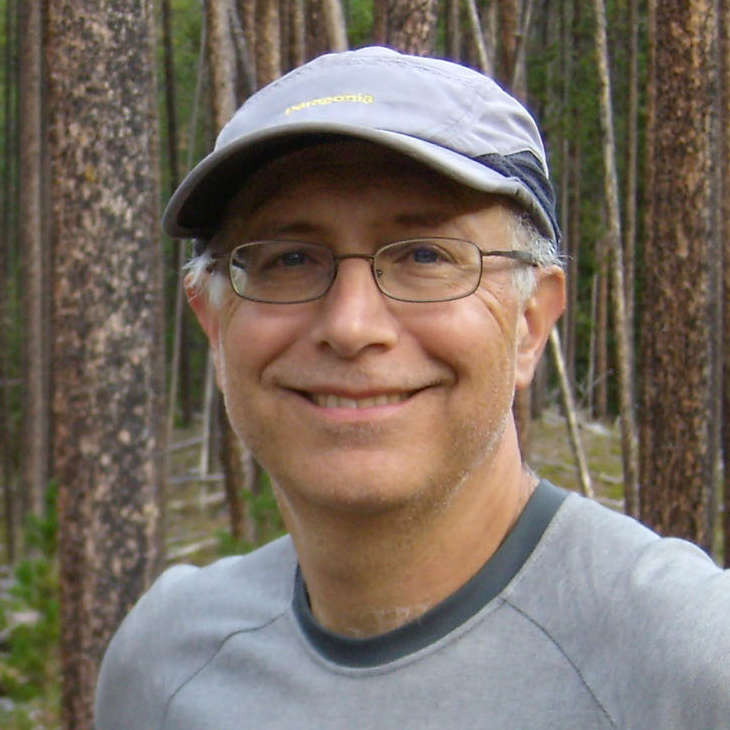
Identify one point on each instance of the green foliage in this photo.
(265, 514)
(29, 663)
(359, 17)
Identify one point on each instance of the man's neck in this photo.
(367, 575)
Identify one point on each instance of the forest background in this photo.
(108, 416)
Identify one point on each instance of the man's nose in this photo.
(354, 314)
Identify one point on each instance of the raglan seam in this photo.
(210, 659)
(567, 657)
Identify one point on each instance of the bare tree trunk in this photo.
(522, 408)
(573, 248)
(570, 415)
(234, 477)
(179, 315)
(724, 156)
(518, 81)
(574, 160)
(411, 26)
(453, 29)
(508, 15)
(334, 21)
(247, 14)
(475, 27)
(715, 290)
(676, 463)
(591, 377)
(600, 403)
(246, 76)
(268, 42)
(180, 368)
(316, 35)
(297, 33)
(629, 442)
(36, 417)
(632, 146)
(108, 324)
(7, 243)
(221, 61)
(522, 412)
(380, 22)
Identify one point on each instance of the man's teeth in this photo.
(325, 400)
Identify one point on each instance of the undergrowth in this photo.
(29, 629)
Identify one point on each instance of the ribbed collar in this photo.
(453, 611)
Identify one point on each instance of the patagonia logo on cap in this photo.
(325, 100)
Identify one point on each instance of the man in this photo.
(377, 272)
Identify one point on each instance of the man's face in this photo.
(356, 401)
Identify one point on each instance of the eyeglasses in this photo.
(417, 270)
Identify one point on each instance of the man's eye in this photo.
(425, 256)
(292, 258)
(424, 253)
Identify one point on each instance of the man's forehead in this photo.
(344, 161)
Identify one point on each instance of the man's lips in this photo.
(343, 397)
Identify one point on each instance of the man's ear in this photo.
(539, 314)
(206, 313)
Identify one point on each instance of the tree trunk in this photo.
(508, 18)
(676, 465)
(573, 231)
(7, 243)
(36, 416)
(452, 31)
(475, 27)
(724, 156)
(411, 26)
(180, 368)
(624, 359)
(522, 408)
(108, 324)
(518, 81)
(316, 36)
(268, 42)
(221, 61)
(334, 21)
(380, 22)
(297, 33)
(522, 412)
(571, 418)
(247, 14)
(632, 147)
(600, 402)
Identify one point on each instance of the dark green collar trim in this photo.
(451, 612)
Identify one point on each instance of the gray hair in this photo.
(526, 237)
(201, 278)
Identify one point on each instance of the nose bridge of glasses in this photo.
(365, 256)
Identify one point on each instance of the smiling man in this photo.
(377, 271)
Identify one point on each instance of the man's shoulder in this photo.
(179, 624)
(613, 560)
(644, 619)
(244, 588)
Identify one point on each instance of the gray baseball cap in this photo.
(449, 117)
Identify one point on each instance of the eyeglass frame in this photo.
(523, 257)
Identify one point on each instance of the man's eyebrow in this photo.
(292, 228)
(422, 218)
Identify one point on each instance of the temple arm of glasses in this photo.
(521, 256)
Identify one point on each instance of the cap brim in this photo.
(197, 205)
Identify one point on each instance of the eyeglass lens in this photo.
(417, 270)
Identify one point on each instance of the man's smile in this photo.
(330, 400)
